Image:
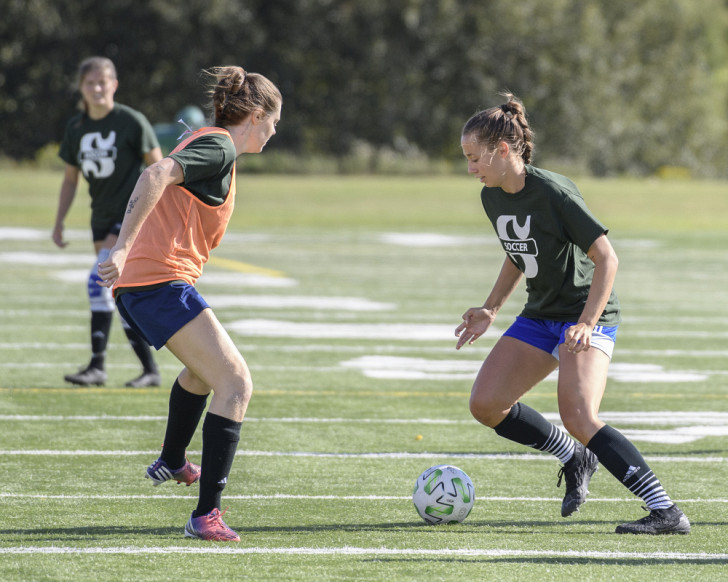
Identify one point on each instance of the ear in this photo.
(504, 149)
(258, 116)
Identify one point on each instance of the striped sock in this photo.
(559, 444)
(525, 426)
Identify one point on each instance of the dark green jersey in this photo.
(207, 164)
(546, 229)
(110, 154)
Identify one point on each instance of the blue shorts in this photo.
(548, 335)
(158, 314)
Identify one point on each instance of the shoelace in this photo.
(560, 475)
(217, 517)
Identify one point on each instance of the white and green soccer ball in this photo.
(443, 494)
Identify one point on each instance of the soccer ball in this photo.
(443, 494)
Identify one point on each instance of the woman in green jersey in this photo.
(109, 143)
(569, 321)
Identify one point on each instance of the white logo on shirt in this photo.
(97, 155)
(520, 246)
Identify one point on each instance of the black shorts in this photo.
(100, 233)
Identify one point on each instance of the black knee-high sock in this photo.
(141, 349)
(185, 411)
(626, 463)
(527, 427)
(220, 438)
(100, 329)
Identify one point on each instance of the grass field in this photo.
(342, 294)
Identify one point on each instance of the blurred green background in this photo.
(384, 86)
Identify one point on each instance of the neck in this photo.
(515, 181)
(99, 112)
(240, 134)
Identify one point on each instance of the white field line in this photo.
(666, 418)
(635, 373)
(325, 348)
(354, 551)
(292, 497)
(323, 455)
(684, 426)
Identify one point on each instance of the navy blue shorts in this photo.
(548, 335)
(158, 314)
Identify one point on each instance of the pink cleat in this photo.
(210, 527)
(159, 472)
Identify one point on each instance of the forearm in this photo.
(503, 288)
(605, 271)
(68, 193)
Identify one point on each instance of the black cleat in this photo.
(146, 379)
(577, 473)
(660, 521)
(87, 377)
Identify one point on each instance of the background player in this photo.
(109, 143)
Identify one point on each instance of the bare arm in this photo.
(68, 193)
(153, 156)
(477, 320)
(578, 337)
(147, 192)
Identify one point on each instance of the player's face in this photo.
(263, 130)
(98, 88)
(484, 163)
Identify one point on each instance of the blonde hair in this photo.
(506, 123)
(237, 93)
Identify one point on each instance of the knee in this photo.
(485, 411)
(239, 387)
(580, 425)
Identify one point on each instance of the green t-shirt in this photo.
(207, 164)
(546, 229)
(110, 154)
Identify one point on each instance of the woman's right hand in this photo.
(111, 268)
(476, 322)
(58, 236)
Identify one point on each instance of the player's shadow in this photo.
(494, 527)
(550, 560)
(69, 534)
(466, 528)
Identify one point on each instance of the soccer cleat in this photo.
(159, 472)
(87, 377)
(210, 527)
(660, 521)
(577, 473)
(146, 379)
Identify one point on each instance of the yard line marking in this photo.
(358, 551)
(294, 497)
(334, 348)
(275, 328)
(242, 267)
(315, 302)
(325, 455)
(685, 427)
(665, 417)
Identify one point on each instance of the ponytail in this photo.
(507, 123)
